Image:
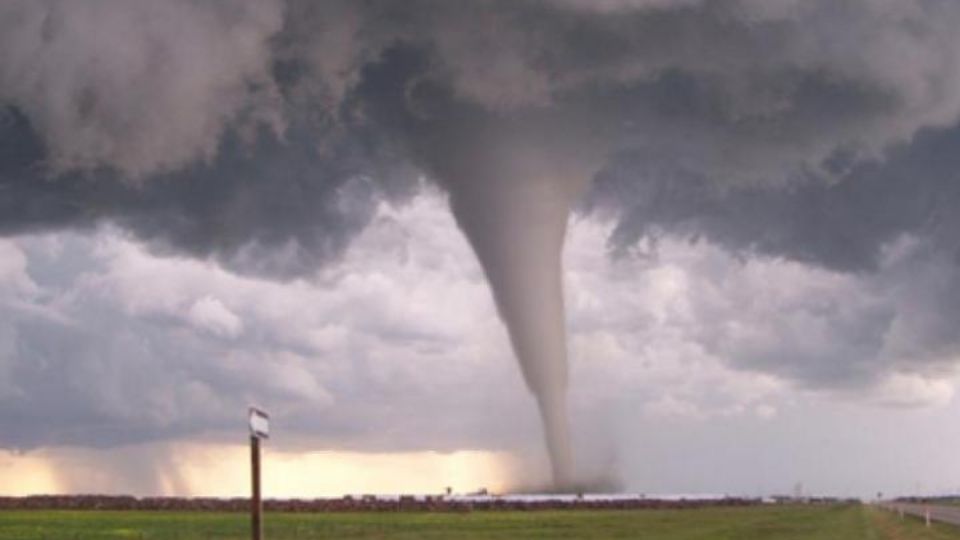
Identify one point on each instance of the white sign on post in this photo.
(259, 423)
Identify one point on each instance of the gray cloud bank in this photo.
(269, 127)
(263, 134)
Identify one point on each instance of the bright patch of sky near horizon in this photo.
(393, 357)
(222, 470)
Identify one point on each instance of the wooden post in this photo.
(256, 507)
(259, 429)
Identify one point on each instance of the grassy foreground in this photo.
(773, 523)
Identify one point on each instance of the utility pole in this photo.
(259, 429)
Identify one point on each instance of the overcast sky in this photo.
(205, 205)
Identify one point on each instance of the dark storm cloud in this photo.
(121, 113)
(263, 134)
(891, 224)
(842, 224)
(223, 134)
(271, 208)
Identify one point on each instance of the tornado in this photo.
(512, 196)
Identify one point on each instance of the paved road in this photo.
(943, 513)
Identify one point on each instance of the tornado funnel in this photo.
(513, 201)
(518, 236)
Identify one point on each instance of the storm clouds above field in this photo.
(204, 204)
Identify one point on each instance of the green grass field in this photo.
(773, 523)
